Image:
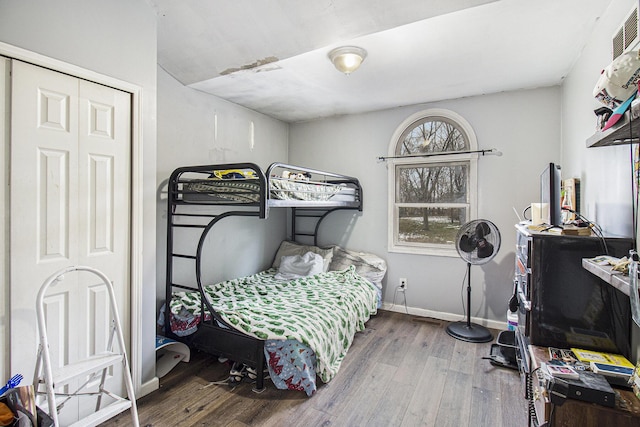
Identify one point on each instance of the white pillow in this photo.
(288, 248)
(295, 266)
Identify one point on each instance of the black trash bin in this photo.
(503, 352)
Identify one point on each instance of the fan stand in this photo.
(467, 331)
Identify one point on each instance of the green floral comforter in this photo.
(323, 311)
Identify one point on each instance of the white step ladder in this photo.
(53, 380)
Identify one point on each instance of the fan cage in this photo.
(469, 229)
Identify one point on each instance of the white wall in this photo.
(524, 125)
(117, 39)
(195, 128)
(605, 172)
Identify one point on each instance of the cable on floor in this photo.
(404, 297)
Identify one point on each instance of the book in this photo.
(588, 356)
(611, 370)
(562, 371)
(562, 354)
(572, 230)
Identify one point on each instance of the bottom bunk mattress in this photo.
(314, 317)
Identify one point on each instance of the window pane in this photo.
(432, 184)
(430, 225)
(431, 135)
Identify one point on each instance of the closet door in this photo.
(70, 198)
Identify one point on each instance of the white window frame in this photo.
(392, 163)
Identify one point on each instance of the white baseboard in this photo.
(148, 387)
(449, 317)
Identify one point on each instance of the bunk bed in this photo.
(243, 189)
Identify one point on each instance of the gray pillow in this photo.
(367, 265)
(288, 248)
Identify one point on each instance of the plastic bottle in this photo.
(512, 320)
(567, 215)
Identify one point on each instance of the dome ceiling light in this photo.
(347, 59)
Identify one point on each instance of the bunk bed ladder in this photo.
(170, 251)
(98, 365)
(209, 338)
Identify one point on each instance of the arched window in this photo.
(432, 182)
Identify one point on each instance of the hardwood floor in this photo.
(401, 371)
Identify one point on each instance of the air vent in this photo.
(626, 37)
(618, 43)
(631, 28)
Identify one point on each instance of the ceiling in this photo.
(271, 55)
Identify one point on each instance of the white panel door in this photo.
(70, 192)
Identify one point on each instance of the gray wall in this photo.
(118, 39)
(195, 128)
(524, 125)
(605, 172)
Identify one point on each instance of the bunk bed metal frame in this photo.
(214, 335)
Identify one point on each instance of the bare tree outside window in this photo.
(433, 135)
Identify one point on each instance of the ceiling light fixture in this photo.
(347, 59)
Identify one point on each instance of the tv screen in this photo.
(550, 181)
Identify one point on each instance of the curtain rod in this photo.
(489, 152)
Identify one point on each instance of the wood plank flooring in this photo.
(401, 371)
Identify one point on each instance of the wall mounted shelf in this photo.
(606, 273)
(618, 134)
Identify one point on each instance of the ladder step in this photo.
(189, 225)
(184, 256)
(84, 367)
(104, 414)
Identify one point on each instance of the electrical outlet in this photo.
(403, 284)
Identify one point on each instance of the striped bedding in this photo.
(248, 190)
(322, 312)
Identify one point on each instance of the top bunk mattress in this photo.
(222, 191)
(293, 189)
(243, 186)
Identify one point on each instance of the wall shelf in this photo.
(617, 134)
(606, 273)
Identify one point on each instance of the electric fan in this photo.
(477, 242)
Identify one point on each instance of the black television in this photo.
(550, 181)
